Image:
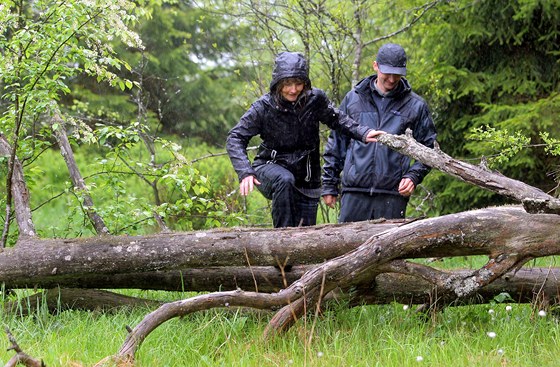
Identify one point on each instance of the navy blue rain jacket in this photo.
(289, 131)
(376, 168)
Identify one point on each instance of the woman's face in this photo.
(291, 88)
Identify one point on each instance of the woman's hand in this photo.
(372, 135)
(247, 184)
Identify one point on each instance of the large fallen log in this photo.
(526, 285)
(133, 262)
(502, 233)
(80, 263)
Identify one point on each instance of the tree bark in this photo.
(76, 262)
(56, 300)
(96, 262)
(20, 194)
(534, 200)
(21, 357)
(75, 175)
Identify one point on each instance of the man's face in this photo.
(386, 82)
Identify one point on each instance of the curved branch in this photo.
(203, 302)
(21, 357)
(463, 229)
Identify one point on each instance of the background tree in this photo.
(39, 54)
(203, 62)
(491, 74)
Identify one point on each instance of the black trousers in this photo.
(357, 206)
(290, 208)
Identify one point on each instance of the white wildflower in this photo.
(542, 313)
(419, 359)
(491, 334)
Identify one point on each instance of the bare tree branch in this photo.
(533, 199)
(59, 128)
(19, 196)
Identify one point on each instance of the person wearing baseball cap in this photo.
(391, 59)
(374, 181)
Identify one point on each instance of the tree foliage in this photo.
(44, 60)
(190, 81)
(491, 72)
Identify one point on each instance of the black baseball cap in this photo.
(391, 59)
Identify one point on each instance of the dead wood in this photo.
(502, 230)
(192, 261)
(533, 199)
(76, 176)
(465, 230)
(58, 300)
(18, 192)
(77, 263)
(390, 285)
(20, 357)
(527, 285)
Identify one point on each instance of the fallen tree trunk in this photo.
(124, 262)
(78, 263)
(499, 232)
(526, 285)
(57, 300)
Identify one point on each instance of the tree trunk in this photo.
(76, 176)
(98, 262)
(19, 195)
(78, 262)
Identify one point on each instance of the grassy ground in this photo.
(391, 335)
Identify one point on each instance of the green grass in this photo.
(387, 335)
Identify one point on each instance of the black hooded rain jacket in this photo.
(289, 131)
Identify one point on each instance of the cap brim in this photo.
(387, 69)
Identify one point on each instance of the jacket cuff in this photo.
(329, 191)
(247, 174)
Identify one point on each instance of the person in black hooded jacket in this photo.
(287, 167)
(376, 180)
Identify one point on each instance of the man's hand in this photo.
(372, 135)
(406, 187)
(247, 184)
(330, 200)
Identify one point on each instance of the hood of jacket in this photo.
(290, 65)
